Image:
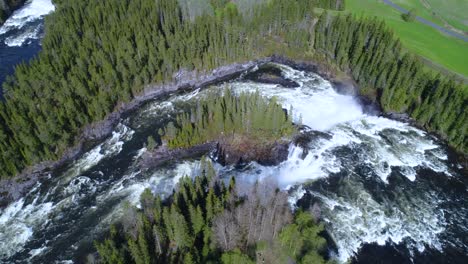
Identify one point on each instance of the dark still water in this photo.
(388, 192)
(12, 56)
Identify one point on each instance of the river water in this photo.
(20, 35)
(385, 188)
(389, 192)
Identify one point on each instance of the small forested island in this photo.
(102, 60)
(98, 56)
(243, 128)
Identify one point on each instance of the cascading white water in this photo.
(353, 147)
(20, 22)
(111, 146)
(387, 144)
(321, 108)
(19, 221)
(315, 101)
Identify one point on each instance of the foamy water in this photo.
(17, 224)
(23, 24)
(382, 145)
(20, 220)
(353, 151)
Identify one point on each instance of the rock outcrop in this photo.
(7, 7)
(270, 75)
(230, 151)
(241, 150)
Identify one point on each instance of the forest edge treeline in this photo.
(14, 188)
(233, 128)
(209, 220)
(32, 129)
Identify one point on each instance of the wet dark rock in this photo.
(12, 190)
(7, 7)
(224, 152)
(316, 211)
(270, 75)
(276, 154)
(345, 87)
(163, 154)
(403, 117)
(306, 137)
(240, 151)
(369, 106)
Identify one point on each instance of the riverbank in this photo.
(16, 187)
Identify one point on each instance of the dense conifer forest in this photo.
(247, 115)
(99, 54)
(207, 221)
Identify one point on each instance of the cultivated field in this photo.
(440, 49)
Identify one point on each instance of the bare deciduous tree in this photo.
(130, 221)
(260, 217)
(226, 231)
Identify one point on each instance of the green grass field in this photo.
(447, 13)
(447, 52)
(421, 10)
(455, 12)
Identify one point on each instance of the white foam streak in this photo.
(18, 222)
(21, 38)
(314, 166)
(353, 222)
(161, 182)
(30, 11)
(108, 148)
(382, 144)
(37, 251)
(395, 144)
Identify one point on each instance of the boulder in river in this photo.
(227, 151)
(7, 7)
(239, 150)
(270, 74)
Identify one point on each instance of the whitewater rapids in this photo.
(25, 24)
(368, 173)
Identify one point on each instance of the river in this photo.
(20, 35)
(389, 192)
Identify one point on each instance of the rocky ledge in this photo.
(7, 7)
(239, 150)
(270, 75)
(236, 150)
(14, 188)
